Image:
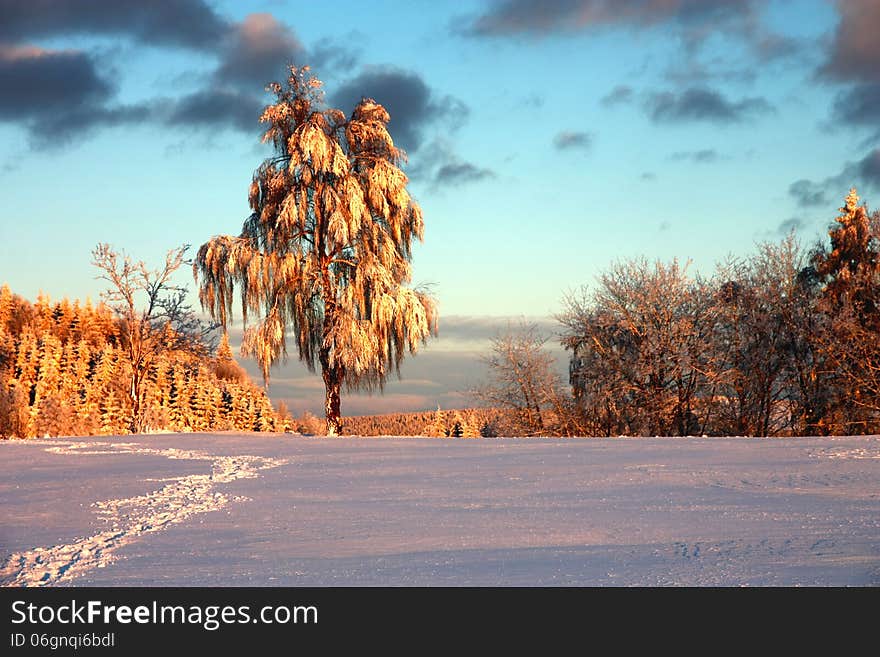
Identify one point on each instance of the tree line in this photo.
(452, 423)
(783, 342)
(65, 370)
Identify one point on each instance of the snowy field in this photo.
(256, 510)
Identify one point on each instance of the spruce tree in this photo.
(851, 269)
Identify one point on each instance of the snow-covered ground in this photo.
(256, 510)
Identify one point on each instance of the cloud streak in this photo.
(461, 173)
(703, 156)
(703, 104)
(693, 20)
(864, 173)
(573, 141)
(213, 108)
(620, 95)
(441, 373)
(808, 194)
(511, 17)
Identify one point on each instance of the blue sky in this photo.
(545, 139)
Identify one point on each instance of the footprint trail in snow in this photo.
(129, 518)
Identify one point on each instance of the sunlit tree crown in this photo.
(325, 255)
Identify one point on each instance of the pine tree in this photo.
(852, 268)
(6, 306)
(225, 365)
(850, 300)
(325, 254)
(42, 314)
(470, 427)
(457, 429)
(437, 428)
(70, 379)
(176, 416)
(111, 414)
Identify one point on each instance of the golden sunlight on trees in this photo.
(522, 383)
(65, 370)
(760, 341)
(645, 332)
(325, 254)
(163, 323)
(850, 272)
(780, 343)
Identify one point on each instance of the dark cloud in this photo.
(620, 94)
(257, 52)
(461, 173)
(38, 82)
(854, 57)
(704, 156)
(863, 174)
(60, 130)
(648, 176)
(58, 95)
(770, 46)
(664, 226)
(695, 21)
(328, 55)
(413, 106)
(855, 51)
(858, 106)
(186, 23)
(559, 16)
(789, 225)
(867, 170)
(438, 165)
(568, 140)
(703, 104)
(688, 71)
(67, 89)
(215, 108)
(807, 193)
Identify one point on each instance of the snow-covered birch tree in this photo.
(325, 255)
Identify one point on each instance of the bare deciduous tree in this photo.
(152, 315)
(648, 327)
(759, 321)
(326, 252)
(522, 381)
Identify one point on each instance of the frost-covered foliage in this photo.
(65, 371)
(523, 384)
(850, 273)
(780, 343)
(152, 316)
(325, 254)
(646, 329)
